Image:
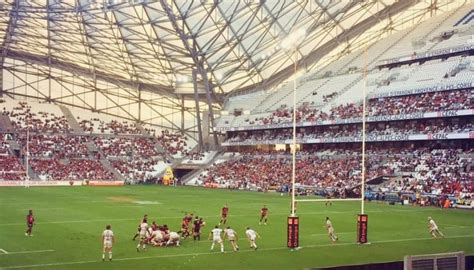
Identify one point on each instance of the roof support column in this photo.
(139, 90)
(209, 102)
(48, 29)
(182, 114)
(9, 31)
(198, 110)
(7, 38)
(197, 59)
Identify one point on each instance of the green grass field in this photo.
(70, 221)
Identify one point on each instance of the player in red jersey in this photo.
(198, 224)
(30, 221)
(224, 213)
(165, 232)
(187, 219)
(263, 215)
(154, 226)
(144, 220)
(164, 229)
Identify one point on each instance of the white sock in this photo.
(103, 255)
(110, 255)
(138, 246)
(222, 248)
(212, 246)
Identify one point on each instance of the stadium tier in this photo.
(421, 96)
(99, 150)
(289, 134)
(440, 63)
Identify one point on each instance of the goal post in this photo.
(362, 218)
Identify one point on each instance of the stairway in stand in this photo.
(71, 120)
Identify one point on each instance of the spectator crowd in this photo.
(431, 126)
(428, 102)
(56, 152)
(433, 171)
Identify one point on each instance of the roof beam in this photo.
(9, 31)
(124, 54)
(84, 35)
(79, 70)
(198, 61)
(239, 39)
(193, 52)
(157, 38)
(326, 48)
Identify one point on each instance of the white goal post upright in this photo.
(364, 119)
(362, 218)
(293, 150)
(290, 44)
(27, 157)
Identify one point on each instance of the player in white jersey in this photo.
(330, 229)
(107, 240)
(216, 237)
(143, 235)
(232, 236)
(434, 231)
(173, 239)
(156, 238)
(252, 236)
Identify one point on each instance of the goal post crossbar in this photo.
(328, 200)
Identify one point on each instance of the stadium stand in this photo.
(12, 169)
(345, 112)
(417, 96)
(426, 168)
(345, 75)
(419, 85)
(98, 151)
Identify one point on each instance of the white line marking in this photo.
(322, 234)
(41, 209)
(3, 251)
(216, 253)
(169, 217)
(210, 216)
(338, 233)
(328, 200)
(456, 226)
(26, 251)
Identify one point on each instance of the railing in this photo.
(440, 261)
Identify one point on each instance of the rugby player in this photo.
(198, 224)
(224, 213)
(330, 229)
(143, 235)
(252, 237)
(30, 221)
(232, 236)
(263, 215)
(434, 230)
(144, 219)
(216, 238)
